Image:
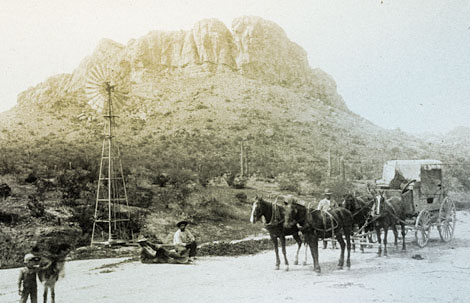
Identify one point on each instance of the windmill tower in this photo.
(112, 217)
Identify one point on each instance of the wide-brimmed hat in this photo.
(28, 258)
(181, 223)
(141, 239)
(327, 192)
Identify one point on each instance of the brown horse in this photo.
(314, 225)
(275, 214)
(388, 213)
(361, 212)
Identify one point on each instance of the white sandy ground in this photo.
(442, 276)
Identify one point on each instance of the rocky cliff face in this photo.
(254, 48)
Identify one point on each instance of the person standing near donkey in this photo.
(183, 237)
(27, 286)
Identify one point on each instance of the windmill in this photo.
(112, 217)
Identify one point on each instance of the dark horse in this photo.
(274, 216)
(388, 213)
(361, 212)
(315, 225)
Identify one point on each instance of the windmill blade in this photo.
(96, 76)
(102, 81)
(101, 72)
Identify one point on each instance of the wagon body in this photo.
(419, 184)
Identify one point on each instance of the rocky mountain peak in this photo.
(254, 48)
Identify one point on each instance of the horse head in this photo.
(349, 202)
(256, 211)
(379, 202)
(294, 213)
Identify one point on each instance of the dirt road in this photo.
(443, 275)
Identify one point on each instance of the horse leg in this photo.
(313, 243)
(284, 253)
(354, 245)
(395, 234)
(348, 246)
(44, 294)
(379, 240)
(52, 294)
(306, 250)
(276, 250)
(299, 244)
(403, 233)
(339, 237)
(385, 239)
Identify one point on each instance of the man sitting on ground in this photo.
(157, 253)
(183, 237)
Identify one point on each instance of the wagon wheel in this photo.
(447, 220)
(423, 228)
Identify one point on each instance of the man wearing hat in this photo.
(157, 253)
(324, 206)
(27, 286)
(183, 237)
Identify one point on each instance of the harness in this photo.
(275, 214)
(393, 213)
(324, 214)
(362, 208)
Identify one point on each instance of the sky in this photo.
(398, 63)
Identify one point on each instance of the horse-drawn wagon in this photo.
(418, 183)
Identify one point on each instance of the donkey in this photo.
(314, 225)
(275, 214)
(51, 266)
(49, 274)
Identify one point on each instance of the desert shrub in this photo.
(161, 179)
(35, 207)
(241, 197)
(210, 209)
(289, 182)
(239, 182)
(71, 183)
(143, 197)
(339, 188)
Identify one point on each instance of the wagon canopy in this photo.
(397, 171)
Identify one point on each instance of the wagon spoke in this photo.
(446, 224)
(423, 228)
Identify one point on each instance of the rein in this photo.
(363, 207)
(333, 222)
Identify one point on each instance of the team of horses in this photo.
(356, 216)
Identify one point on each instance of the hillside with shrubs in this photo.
(191, 98)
